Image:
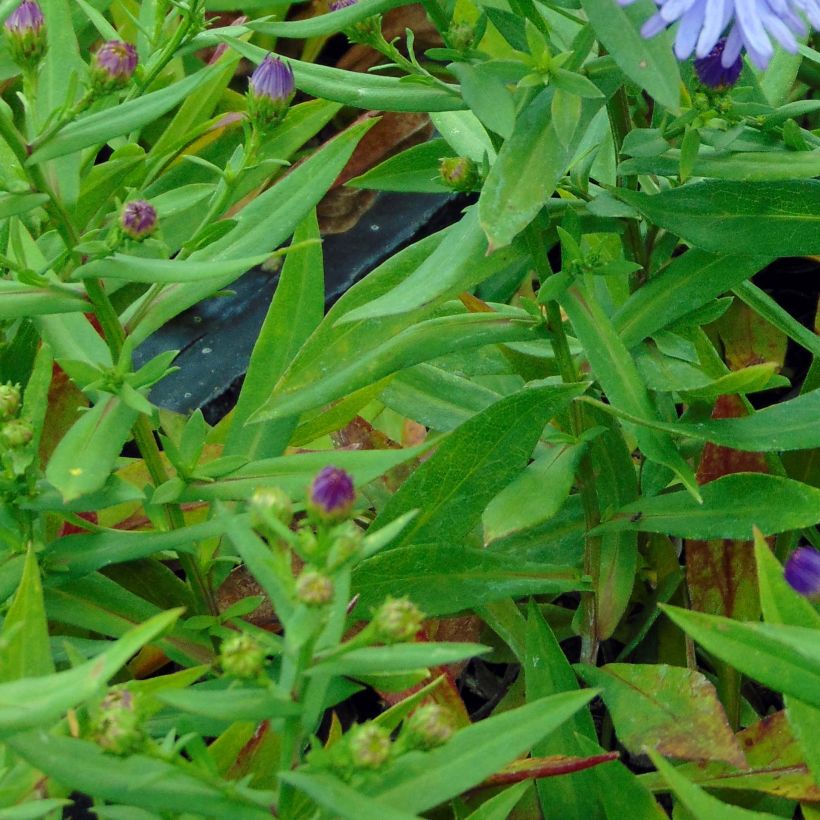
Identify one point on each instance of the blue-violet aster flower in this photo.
(113, 65)
(803, 571)
(712, 72)
(270, 91)
(138, 219)
(332, 493)
(25, 30)
(752, 24)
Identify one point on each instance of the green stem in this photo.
(578, 424)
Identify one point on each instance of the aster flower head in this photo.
(803, 571)
(25, 31)
(270, 90)
(138, 219)
(113, 65)
(332, 493)
(711, 71)
(751, 24)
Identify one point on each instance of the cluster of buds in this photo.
(459, 174)
(242, 656)
(112, 66)
(116, 724)
(15, 432)
(138, 219)
(270, 91)
(26, 34)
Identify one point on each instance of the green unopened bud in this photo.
(116, 724)
(270, 503)
(26, 34)
(461, 36)
(459, 173)
(9, 400)
(397, 620)
(313, 588)
(16, 433)
(369, 746)
(347, 544)
(241, 656)
(429, 726)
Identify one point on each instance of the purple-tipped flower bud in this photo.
(117, 724)
(397, 620)
(459, 173)
(711, 71)
(429, 726)
(313, 588)
(369, 746)
(138, 219)
(16, 433)
(25, 31)
(336, 5)
(241, 656)
(803, 571)
(270, 90)
(113, 65)
(9, 400)
(332, 493)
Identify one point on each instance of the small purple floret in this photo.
(332, 492)
(138, 219)
(27, 17)
(273, 79)
(116, 61)
(712, 72)
(803, 571)
(342, 4)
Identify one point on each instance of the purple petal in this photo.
(689, 29)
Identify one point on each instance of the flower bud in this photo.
(241, 656)
(397, 620)
(803, 571)
(461, 36)
(332, 493)
(270, 502)
(270, 90)
(26, 35)
(313, 588)
(116, 725)
(369, 746)
(112, 66)
(138, 219)
(347, 543)
(9, 400)
(16, 433)
(429, 726)
(459, 173)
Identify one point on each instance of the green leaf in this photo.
(86, 454)
(336, 796)
(18, 300)
(13, 204)
(101, 126)
(459, 263)
(760, 218)
(32, 702)
(616, 372)
(415, 170)
(474, 463)
(784, 658)
(231, 704)
(138, 780)
(418, 781)
(732, 505)
(668, 708)
(444, 578)
(528, 168)
(649, 63)
(418, 343)
(699, 804)
(295, 312)
(406, 657)
(26, 650)
(501, 805)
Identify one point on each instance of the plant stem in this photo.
(578, 424)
